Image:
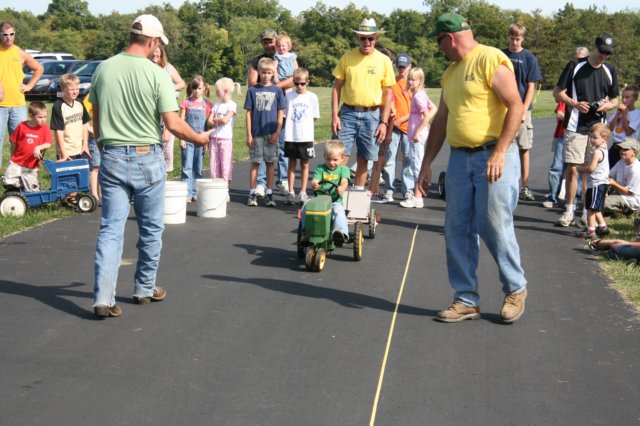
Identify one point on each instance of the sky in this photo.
(548, 7)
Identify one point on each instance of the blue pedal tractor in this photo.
(66, 178)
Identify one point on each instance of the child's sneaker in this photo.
(413, 202)
(260, 190)
(379, 198)
(389, 196)
(283, 187)
(601, 231)
(408, 195)
(303, 198)
(253, 200)
(339, 238)
(269, 201)
(290, 198)
(526, 195)
(565, 220)
(547, 204)
(586, 234)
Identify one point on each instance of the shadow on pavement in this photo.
(53, 296)
(344, 298)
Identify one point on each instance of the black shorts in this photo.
(299, 150)
(595, 197)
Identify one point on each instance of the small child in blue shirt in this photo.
(286, 59)
(264, 104)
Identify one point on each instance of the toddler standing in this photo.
(302, 109)
(422, 111)
(597, 182)
(222, 119)
(286, 60)
(194, 110)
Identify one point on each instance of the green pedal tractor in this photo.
(315, 239)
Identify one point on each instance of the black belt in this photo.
(361, 108)
(487, 146)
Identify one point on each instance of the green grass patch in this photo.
(625, 277)
(34, 217)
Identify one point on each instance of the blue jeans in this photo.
(124, 173)
(476, 209)
(555, 172)
(282, 168)
(191, 167)
(359, 128)
(624, 252)
(10, 117)
(401, 140)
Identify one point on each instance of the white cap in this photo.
(151, 27)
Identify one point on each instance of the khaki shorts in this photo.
(524, 138)
(575, 147)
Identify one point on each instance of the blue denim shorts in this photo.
(359, 127)
(95, 153)
(262, 150)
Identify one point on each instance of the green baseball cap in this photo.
(450, 23)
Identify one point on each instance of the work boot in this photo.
(513, 306)
(457, 312)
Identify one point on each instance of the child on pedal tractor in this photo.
(333, 171)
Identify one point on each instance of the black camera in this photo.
(597, 105)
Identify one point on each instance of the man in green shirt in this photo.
(129, 95)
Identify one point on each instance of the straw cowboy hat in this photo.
(368, 27)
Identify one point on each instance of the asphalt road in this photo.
(246, 336)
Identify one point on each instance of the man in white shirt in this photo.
(624, 177)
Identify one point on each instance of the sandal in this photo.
(593, 245)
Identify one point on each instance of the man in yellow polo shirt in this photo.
(479, 114)
(363, 80)
(13, 106)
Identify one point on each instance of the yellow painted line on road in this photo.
(393, 324)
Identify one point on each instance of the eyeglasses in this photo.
(8, 34)
(367, 38)
(300, 83)
(601, 52)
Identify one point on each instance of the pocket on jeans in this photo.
(152, 168)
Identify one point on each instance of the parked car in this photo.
(85, 73)
(52, 70)
(57, 56)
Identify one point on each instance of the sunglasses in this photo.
(300, 83)
(367, 38)
(8, 34)
(604, 53)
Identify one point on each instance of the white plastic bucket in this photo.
(212, 197)
(175, 202)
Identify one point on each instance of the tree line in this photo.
(218, 37)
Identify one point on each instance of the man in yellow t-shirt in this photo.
(13, 106)
(479, 114)
(363, 80)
